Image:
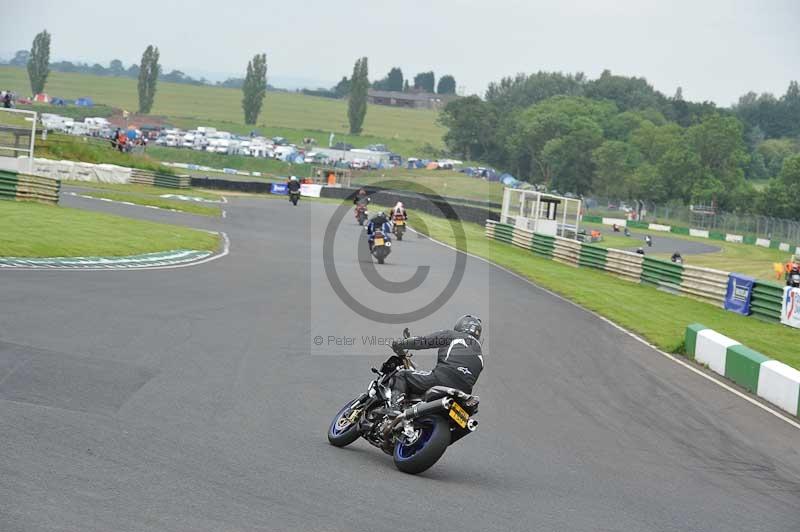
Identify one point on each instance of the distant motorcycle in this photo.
(399, 227)
(381, 246)
(361, 214)
(649, 241)
(793, 278)
(294, 197)
(417, 435)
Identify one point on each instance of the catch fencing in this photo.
(22, 187)
(704, 284)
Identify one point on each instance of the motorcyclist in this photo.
(458, 363)
(399, 212)
(676, 258)
(648, 240)
(361, 200)
(293, 184)
(378, 222)
(640, 251)
(792, 278)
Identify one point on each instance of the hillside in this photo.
(290, 115)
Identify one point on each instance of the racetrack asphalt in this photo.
(196, 399)
(666, 244)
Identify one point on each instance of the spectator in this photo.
(7, 100)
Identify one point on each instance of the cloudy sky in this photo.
(714, 49)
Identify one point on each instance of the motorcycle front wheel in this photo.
(343, 431)
(432, 439)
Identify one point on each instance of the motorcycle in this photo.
(417, 434)
(793, 279)
(381, 246)
(649, 241)
(399, 227)
(294, 197)
(361, 214)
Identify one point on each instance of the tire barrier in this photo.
(155, 179)
(767, 300)
(704, 284)
(771, 380)
(21, 187)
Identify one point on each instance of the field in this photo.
(28, 232)
(287, 114)
(442, 182)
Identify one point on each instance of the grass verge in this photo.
(659, 317)
(145, 190)
(190, 207)
(35, 230)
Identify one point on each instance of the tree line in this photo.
(617, 136)
(393, 81)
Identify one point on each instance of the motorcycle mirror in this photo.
(375, 371)
(406, 333)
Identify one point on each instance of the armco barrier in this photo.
(22, 187)
(662, 274)
(704, 283)
(701, 283)
(767, 300)
(771, 380)
(147, 177)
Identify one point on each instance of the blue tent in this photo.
(508, 180)
(58, 101)
(84, 102)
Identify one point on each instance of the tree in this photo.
(447, 85)
(20, 58)
(615, 162)
(115, 68)
(470, 124)
(342, 88)
(406, 88)
(570, 155)
(357, 105)
(254, 88)
(39, 62)
(425, 81)
(392, 82)
(148, 78)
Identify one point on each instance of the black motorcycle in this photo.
(294, 197)
(381, 246)
(418, 432)
(793, 279)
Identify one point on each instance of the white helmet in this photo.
(293, 178)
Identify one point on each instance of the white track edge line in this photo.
(226, 246)
(633, 335)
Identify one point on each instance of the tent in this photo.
(84, 102)
(58, 101)
(508, 180)
(41, 98)
(432, 166)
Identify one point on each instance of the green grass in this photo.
(292, 115)
(442, 182)
(190, 207)
(71, 111)
(628, 304)
(146, 190)
(755, 261)
(35, 230)
(91, 150)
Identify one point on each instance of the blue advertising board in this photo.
(739, 293)
(279, 188)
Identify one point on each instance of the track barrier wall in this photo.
(22, 187)
(148, 177)
(704, 284)
(771, 380)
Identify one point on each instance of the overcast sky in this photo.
(714, 49)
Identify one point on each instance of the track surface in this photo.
(665, 244)
(196, 399)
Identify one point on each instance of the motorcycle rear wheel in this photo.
(427, 449)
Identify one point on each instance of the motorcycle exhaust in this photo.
(420, 410)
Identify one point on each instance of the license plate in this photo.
(459, 415)
(400, 222)
(378, 242)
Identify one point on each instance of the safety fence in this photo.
(148, 177)
(21, 187)
(700, 283)
(699, 233)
